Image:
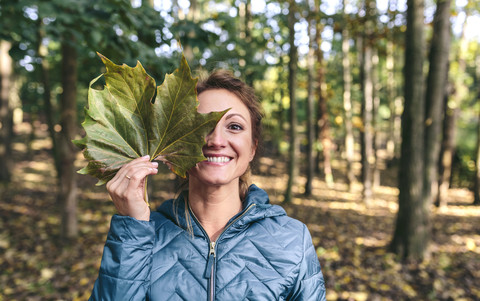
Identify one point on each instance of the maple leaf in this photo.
(122, 123)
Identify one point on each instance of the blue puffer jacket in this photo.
(261, 255)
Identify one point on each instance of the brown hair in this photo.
(223, 79)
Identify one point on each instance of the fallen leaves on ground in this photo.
(351, 239)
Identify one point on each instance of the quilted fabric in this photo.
(262, 255)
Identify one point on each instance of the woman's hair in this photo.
(223, 79)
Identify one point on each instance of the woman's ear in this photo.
(254, 150)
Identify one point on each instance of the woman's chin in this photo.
(214, 180)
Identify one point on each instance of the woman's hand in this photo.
(127, 188)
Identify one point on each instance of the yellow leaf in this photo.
(78, 266)
(384, 287)
(470, 244)
(47, 273)
(84, 281)
(409, 290)
(359, 296)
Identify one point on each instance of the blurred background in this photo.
(371, 132)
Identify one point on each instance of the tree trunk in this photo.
(323, 126)
(6, 113)
(188, 49)
(193, 11)
(279, 115)
(67, 152)
(245, 25)
(366, 133)
(412, 230)
(32, 119)
(248, 39)
(310, 107)
(393, 129)
(292, 86)
(476, 189)
(449, 127)
(376, 145)
(476, 200)
(446, 153)
(347, 101)
(435, 94)
(47, 102)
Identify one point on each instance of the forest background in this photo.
(371, 132)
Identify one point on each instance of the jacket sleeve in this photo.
(126, 261)
(310, 284)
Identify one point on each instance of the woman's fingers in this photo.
(138, 172)
(122, 173)
(127, 187)
(142, 161)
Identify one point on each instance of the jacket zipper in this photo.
(211, 261)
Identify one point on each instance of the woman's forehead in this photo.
(220, 100)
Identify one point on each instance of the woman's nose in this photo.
(216, 138)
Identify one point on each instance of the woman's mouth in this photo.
(218, 159)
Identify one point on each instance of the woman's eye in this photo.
(235, 127)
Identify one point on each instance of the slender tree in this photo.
(310, 104)
(292, 86)
(435, 94)
(323, 125)
(193, 11)
(42, 52)
(246, 27)
(412, 230)
(449, 133)
(367, 103)
(347, 100)
(393, 138)
(6, 114)
(476, 191)
(377, 143)
(452, 101)
(67, 152)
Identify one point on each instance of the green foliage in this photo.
(122, 123)
(222, 35)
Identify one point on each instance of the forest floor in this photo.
(351, 238)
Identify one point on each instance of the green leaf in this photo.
(122, 123)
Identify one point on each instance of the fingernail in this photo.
(155, 164)
(155, 170)
(146, 157)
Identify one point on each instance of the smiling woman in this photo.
(221, 88)
(220, 239)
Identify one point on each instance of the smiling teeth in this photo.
(218, 159)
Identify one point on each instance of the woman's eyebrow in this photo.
(233, 115)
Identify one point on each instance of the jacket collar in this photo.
(256, 207)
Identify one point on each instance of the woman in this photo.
(220, 239)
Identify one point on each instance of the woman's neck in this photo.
(214, 206)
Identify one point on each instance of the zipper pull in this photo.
(212, 249)
(211, 259)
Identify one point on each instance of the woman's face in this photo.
(229, 147)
